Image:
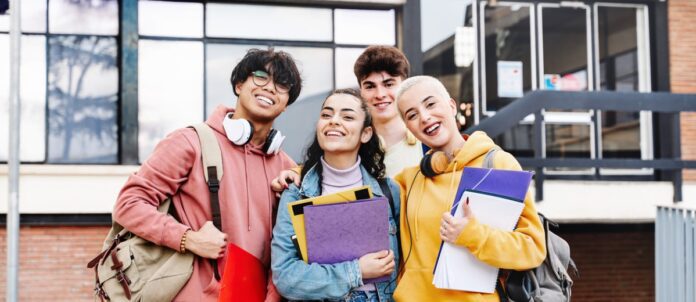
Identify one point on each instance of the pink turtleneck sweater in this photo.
(247, 204)
(335, 180)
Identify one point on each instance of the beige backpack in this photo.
(130, 268)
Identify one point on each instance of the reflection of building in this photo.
(103, 81)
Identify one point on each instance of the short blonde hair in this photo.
(423, 79)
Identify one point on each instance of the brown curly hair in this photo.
(379, 58)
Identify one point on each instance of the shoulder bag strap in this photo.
(489, 157)
(212, 160)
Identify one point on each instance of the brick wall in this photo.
(53, 262)
(682, 42)
(614, 265)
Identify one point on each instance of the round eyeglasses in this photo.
(261, 78)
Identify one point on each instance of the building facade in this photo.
(103, 81)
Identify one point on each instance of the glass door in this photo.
(565, 64)
(623, 64)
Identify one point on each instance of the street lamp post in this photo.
(13, 160)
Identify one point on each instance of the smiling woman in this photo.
(345, 154)
(343, 132)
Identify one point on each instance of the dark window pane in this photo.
(82, 88)
(564, 45)
(519, 140)
(568, 141)
(507, 40)
(618, 55)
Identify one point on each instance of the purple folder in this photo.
(346, 231)
(506, 183)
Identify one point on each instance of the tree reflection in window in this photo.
(83, 87)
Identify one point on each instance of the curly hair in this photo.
(378, 58)
(277, 63)
(371, 153)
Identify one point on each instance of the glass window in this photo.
(569, 141)
(33, 17)
(564, 49)
(33, 98)
(82, 89)
(345, 60)
(298, 122)
(617, 49)
(518, 140)
(508, 55)
(98, 17)
(170, 89)
(268, 22)
(440, 18)
(364, 27)
(170, 19)
(220, 60)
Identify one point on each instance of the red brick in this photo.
(682, 42)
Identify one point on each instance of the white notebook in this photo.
(456, 267)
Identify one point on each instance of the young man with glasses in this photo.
(266, 82)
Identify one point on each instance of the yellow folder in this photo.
(296, 209)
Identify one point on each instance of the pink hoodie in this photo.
(247, 204)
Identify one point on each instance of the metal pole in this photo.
(13, 160)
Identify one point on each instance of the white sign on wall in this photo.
(510, 79)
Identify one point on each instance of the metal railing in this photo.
(535, 102)
(675, 255)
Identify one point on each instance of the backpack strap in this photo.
(489, 157)
(212, 160)
(387, 192)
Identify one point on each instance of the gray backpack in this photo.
(550, 281)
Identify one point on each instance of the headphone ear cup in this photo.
(238, 131)
(426, 167)
(434, 164)
(273, 142)
(269, 140)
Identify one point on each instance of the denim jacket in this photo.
(297, 280)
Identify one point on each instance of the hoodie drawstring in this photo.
(246, 185)
(270, 198)
(418, 206)
(449, 192)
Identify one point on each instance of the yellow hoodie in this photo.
(521, 249)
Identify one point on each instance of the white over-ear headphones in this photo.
(240, 131)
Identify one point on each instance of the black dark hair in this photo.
(371, 153)
(279, 64)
